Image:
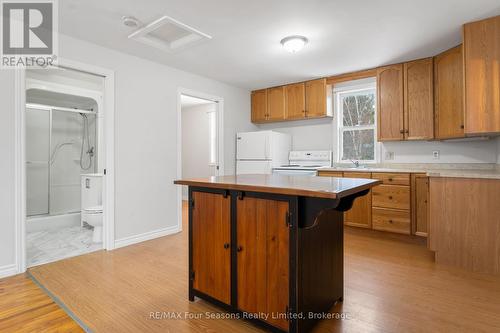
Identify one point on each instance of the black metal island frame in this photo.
(269, 248)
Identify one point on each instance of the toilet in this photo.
(93, 217)
(92, 210)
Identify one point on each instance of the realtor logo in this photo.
(29, 33)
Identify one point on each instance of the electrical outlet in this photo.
(389, 155)
(435, 154)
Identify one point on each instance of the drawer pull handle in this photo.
(390, 179)
(390, 221)
(226, 246)
(239, 248)
(390, 197)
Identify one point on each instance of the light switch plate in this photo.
(435, 154)
(389, 155)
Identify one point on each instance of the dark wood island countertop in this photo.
(318, 187)
(270, 244)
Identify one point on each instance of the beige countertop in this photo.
(318, 187)
(488, 171)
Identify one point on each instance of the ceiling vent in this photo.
(168, 35)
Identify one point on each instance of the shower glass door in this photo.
(37, 161)
(55, 159)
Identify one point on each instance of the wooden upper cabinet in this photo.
(317, 99)
(390, 103)
(295, 101)
(259, 106)
(419, 100)
(211, 228)
(276, 104)
(448, 94)
(482, 76)
(311, 99)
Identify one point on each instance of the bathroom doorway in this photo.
(65, 156)
(63, 145)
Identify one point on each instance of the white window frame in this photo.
(347, 89)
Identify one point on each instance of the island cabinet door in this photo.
(211, 236)
(263, 258)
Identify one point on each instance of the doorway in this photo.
(64, 162)
(200, 148)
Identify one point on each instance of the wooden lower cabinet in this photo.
(262, 258)
(421, 204)
(391, 220)
(360, 215)
(398, 205)
(391, 196)
(211, 237)
(464, 223)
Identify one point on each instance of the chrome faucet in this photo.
(356, 163)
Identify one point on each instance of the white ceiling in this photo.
(188, 101)
(245, 49)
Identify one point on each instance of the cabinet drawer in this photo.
(391, 196)
(326, 173)
(350, 174)
(391, 220)
(392, 178)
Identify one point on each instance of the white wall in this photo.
(146, 138)
(195, 142)
(449, 151)
(7, 211)
(306, 134)
(319, 135)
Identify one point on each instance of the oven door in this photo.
(295, 172)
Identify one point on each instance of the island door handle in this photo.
(390, 197)
(390, 221)
(239, 248)
(226, 246)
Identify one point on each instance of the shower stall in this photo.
(61, 144)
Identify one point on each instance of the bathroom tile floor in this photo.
(51, 245)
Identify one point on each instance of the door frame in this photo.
(20, 156)
(220, 138)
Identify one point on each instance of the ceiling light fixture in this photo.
(294, 43)
(130, 21)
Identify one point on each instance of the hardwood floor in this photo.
(391, 285)
(24, 307)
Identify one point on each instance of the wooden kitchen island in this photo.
(269, 248)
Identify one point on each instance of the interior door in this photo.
(211, 239)
(263, 257)
(252, 146)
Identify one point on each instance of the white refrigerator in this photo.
(259, 152)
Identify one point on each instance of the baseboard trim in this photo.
(122, 242)
(8, 270)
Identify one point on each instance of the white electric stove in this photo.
(305, 162)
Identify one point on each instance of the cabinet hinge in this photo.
(288, 222)
(191, 275)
